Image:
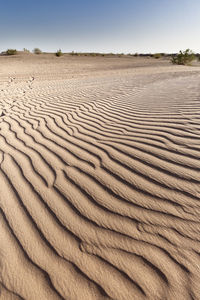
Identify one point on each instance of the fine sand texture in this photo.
(99, 179)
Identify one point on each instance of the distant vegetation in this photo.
(184, 57)
(11, 52)
(37, 51)
(26, 50)
(94, 54)
(198, 56)
(59, 53)
(181, 58)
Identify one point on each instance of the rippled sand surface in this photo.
(99, 179)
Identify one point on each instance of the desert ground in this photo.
(99, 178)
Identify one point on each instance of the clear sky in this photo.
(100, 25)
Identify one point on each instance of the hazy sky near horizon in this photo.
(127, 26)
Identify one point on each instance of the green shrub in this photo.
(59, 53)
(26, 50)
(37, 51)
(74, 53)
(11, 52)
(157, 55)
(198, 56)
(183, 58)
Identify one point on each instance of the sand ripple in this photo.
(100, 187)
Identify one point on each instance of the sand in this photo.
(99, 179)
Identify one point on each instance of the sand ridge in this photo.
(99, 180)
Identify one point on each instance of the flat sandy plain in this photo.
(99, 179)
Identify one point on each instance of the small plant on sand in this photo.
(26, 50)
(11, 52)
(37, 51)
(74, 53)
(59, 53)
(157, 55)
(183, 57)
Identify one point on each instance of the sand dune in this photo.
(99, 179)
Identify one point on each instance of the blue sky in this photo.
(101, 26)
